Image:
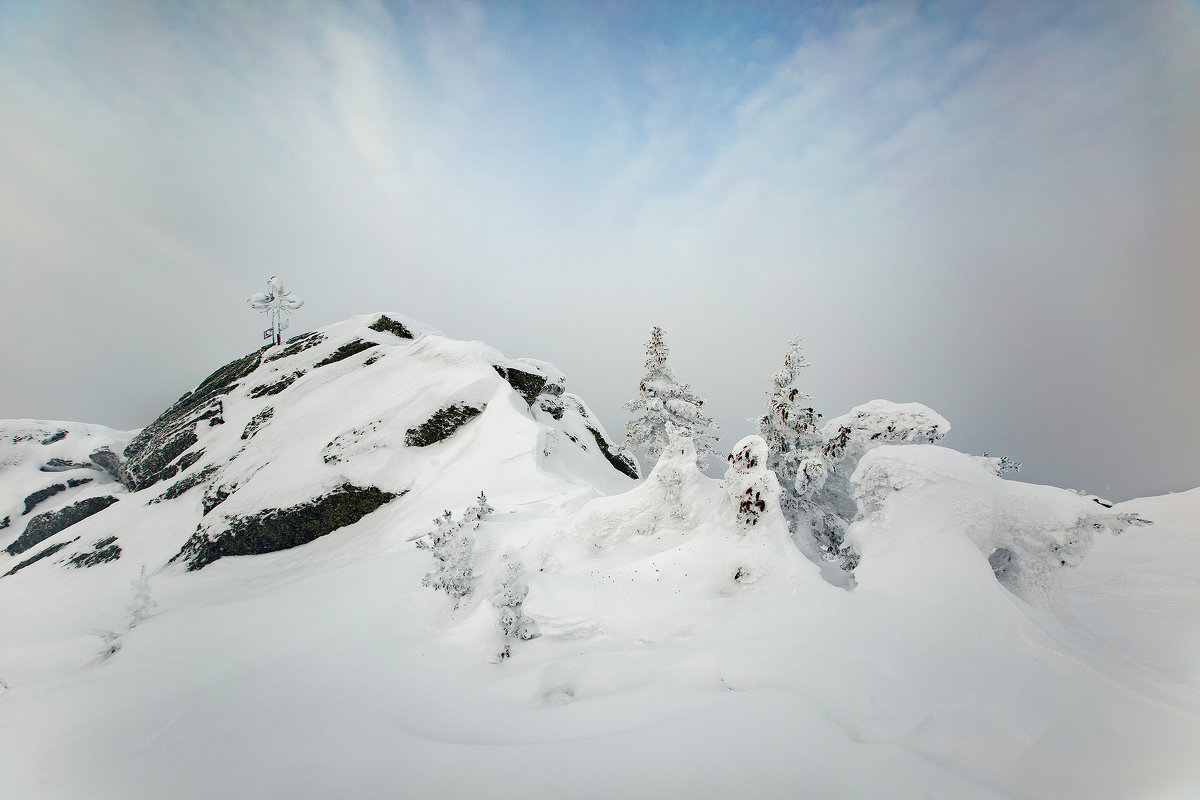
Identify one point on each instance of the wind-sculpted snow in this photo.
(1029, 533)
(593, 636)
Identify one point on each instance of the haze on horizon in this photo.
(990, 208)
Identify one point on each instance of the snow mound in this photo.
(1027, 533)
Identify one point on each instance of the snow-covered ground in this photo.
(678, 654)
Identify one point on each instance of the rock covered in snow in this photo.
(1026, 533)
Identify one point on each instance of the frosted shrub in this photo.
(511, 591)
(1028, 556)
(998, 465)
(476, 513)
(451, 545)
(451, 548)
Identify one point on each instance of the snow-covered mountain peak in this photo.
(327, 427)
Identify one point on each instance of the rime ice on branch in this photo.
(276, 303)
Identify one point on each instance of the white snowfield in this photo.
(678, 652)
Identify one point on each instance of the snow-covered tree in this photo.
(752, 489)
(476, 513)
(511, 591)
(794, 443)
(451, 544)
(663, 403)
(451, 547)
(141, 605)
(139, 608)
(848, 438)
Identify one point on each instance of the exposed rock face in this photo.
(260, 419)
(444, 423)
(43, 526)
(49, 551)
(102, 552)
(620, 461)
(34, 498)
(297, 344)
(344, 352)
(269, 389)
(280, 529)
(153, 453)
(183, 484)
(387, 325)
(526, 384)
(108, 461)
(63, 465)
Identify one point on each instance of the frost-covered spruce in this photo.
(141, 605)
(752, 489)
(451, 545)
(476, 513)
(663, 402)
(511, 591)
(794, 443)
(451, 548)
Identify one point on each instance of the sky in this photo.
(989, 208)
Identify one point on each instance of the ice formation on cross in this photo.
(276, 303)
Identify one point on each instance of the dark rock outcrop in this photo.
(345, 351)
(269, 389)
(183, 484)
(38, 556)
(102, 552)
(45, 525)
(280, 529)
(386, 324)
(444, 423)
(297, 344)
(63, 465)
(107, 460)
(153, 453)
(620, 461)
(527, 384)
(259, 419)
(34, 498)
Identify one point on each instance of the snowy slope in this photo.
(678, 653)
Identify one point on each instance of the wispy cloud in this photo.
(988, 207)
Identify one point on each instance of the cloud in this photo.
(988, 210)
